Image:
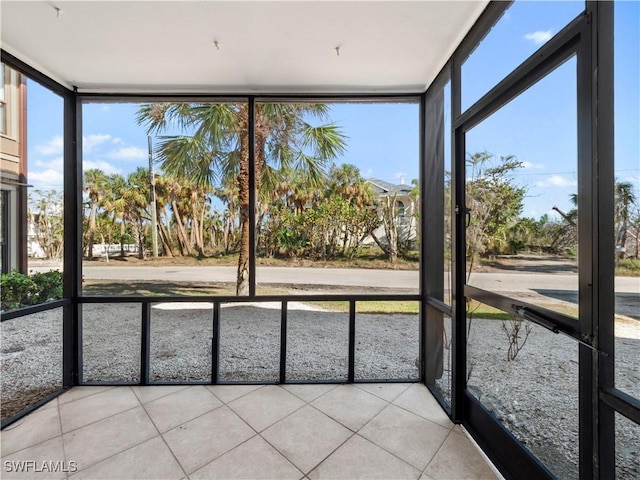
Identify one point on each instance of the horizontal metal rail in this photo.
(622, 402)
(549, 319)
(250, 299)
(42, 307)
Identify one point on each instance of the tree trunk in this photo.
(242, 282)
(92, 229)
(182, 235)
(164, 237)
(196, 227)
(122, 233)
(389, 213)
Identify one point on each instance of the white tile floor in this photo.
(363, 431)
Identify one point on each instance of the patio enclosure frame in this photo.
(589, 37)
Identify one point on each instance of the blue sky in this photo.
(538, 127)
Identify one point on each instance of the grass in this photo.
(409, 307)
(373, 306)
(628, 267)
(365, 258)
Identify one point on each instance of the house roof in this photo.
(246, 47)
(380, 187)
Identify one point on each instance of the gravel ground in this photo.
(535, 396)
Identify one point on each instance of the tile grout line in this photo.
(117, 453)
(64, 452)
(108, 387)
(358, 385)
(162, 436)
(438, 451)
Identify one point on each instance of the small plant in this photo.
(20, 290)
(49, 286)
(512, 328)
(17, 290)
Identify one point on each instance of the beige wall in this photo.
(13, 166)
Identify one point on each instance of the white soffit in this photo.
(262, 46)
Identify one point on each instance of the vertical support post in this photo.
(596, 245)
(145, 338)
(252, 195)
(458, 204)
(283, 342)
(72, 263)
(352, 341)
(434, 243)
(215, 344)
(422, 226)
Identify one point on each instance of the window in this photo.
(3, 118)
(4, 230)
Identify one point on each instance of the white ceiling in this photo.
(263, 46)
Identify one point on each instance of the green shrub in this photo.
(19, 290)
(49, 286)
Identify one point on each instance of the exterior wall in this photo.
(13, 169)
(407, 226)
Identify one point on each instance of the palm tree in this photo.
(116, 205)
(215, 145)
(95, 184)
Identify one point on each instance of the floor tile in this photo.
(418, 399)
(50, 404)
(458, 458)
(36, 427)
(205, 438)
(176, 408)
(306, 437)
(386, 391)
(77, 393)
(360, 459)
(95, 407)
(149, 460)
(309, 393)
(46, 455)
(350, 406)
(150, 393)
(408, 436)
(253, 460)
(265, 406)
(228, 393)
(97, 441)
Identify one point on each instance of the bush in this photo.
(19, 290)
(49, 286)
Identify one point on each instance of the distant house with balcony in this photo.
(13, 170)
(406, 210)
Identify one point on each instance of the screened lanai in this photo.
(469, 299)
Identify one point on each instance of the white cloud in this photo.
(531, 165)
(556, 181)
(55, 163)
(369, 172)
(106, 167)
(93, 140)
(538, 37)
(125, 153)
(46, 179)
(53, 146)
(117, 141)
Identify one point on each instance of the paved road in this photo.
(393, 279)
